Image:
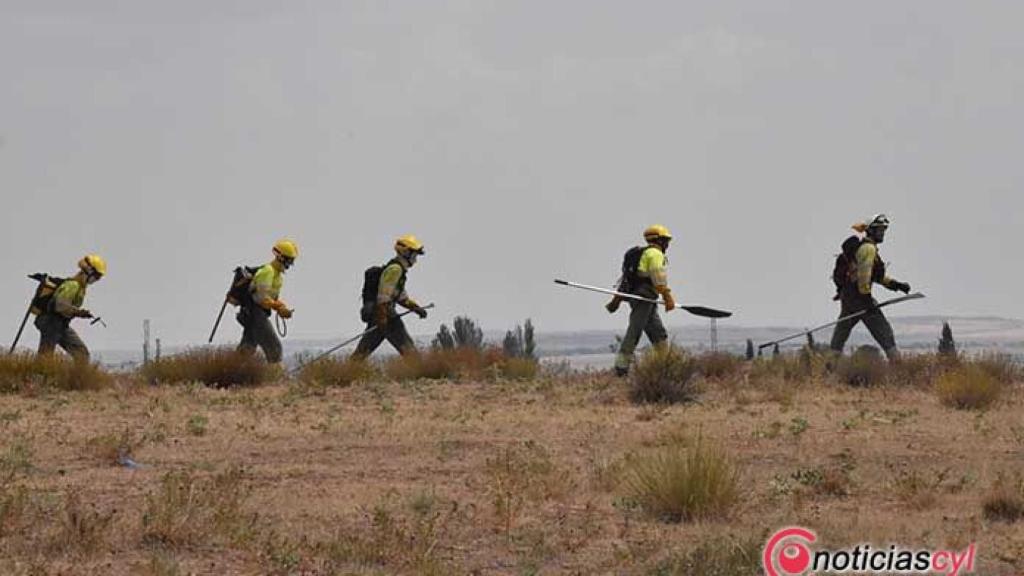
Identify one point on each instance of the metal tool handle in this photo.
(217, 323)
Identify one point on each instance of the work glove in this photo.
(380, 316)
(670, 302)
(83, 313)
(285, 313)
(414, 307)
(613, 306)
(896, 286)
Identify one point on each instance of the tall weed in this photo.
(217, 367)
(678, 482)
(665, 376)
(26, 372)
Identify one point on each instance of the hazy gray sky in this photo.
(519, 140)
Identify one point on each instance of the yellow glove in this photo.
(670, 302)
(277, 305)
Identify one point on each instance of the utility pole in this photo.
(714, 334)
(157, 349)
(145, 342)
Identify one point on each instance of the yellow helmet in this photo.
(286, 251)
(407, 245)
(657, 232)
(286, 248)
(93, 265)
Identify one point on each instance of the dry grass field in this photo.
(551, 474)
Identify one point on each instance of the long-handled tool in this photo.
(40, 278)
(217, 323)
(914, 296)
(695, 310)
(21, 329)
(354, 338)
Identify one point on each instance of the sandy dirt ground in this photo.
(489, 478)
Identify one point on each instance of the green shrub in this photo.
(24, 371)
(664, 375)
(341, 372)
(969, 387)
(219, 367)
(683, 483)
(865, 367)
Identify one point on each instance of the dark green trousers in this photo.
(55, 330)
(875, 321)
(395, 333)
(643, 319)
(258, 331)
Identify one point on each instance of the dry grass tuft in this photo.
(216, 367)
(113, 449)
(788, 367)
(919, 490)
(1005, 502)
(1002, 367)
(519, 368)
(340, 372)
(968, 387)
(917, 370)
(716, 556)
(683, 483)
(161, 563)
(26, 372)
(719, 365)
(405, 541)
(80, 528)
(464, 363)
(865, 367)
(186, 510)
(518, 476)
(665, 376)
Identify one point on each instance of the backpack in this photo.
(240, 293)
(43, 297)
(845, 270)
(631, 278)
(371, 282)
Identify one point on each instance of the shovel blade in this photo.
(706, 312)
